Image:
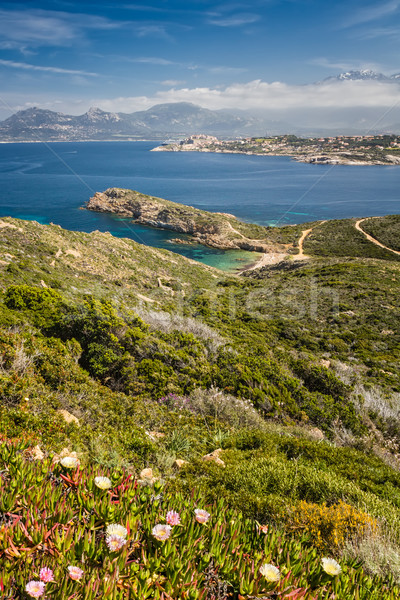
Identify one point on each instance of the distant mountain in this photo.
(364, 75)
(162, 120)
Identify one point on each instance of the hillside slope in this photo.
(134, 357)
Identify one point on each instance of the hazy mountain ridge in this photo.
(162, 120)
(181, 119)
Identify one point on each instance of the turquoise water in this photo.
(50, 182)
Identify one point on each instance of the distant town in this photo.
(351, 150)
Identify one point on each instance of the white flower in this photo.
(270, 572)
(104, 483)
(201, 515)
(330, 566)
(115, 529)
(115, 542)
(161, 532)
(75, 573)
(69, 462)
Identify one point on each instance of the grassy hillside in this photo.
(133, 357)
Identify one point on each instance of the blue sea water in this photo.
(51, 182)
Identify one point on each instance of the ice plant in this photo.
(201, 515)
(115, 542)
(161, 532)
(75, 573)
(69, 462)
(103, 483)
(46, 575)
(173, 518)
(35, 589)
(115, 529)
(330, 566)
(270, 572)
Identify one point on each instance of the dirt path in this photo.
(301, 254)
(270, 258)
(371, 239)
(236, 231)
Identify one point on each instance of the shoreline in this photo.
(312, 160)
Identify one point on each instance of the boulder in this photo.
(215, 457)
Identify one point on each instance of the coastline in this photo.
(322, 158)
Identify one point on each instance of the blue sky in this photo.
(129, 55)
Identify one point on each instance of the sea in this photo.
(50, 183)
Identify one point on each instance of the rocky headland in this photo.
(217, 230)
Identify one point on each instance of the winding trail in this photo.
(304, 234)
(372, 239)
(271, 258)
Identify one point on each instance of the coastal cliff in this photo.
(217, 230)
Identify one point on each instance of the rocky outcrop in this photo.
(210, 229)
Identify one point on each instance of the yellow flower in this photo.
(331, 567)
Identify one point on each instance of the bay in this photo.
(51, 182)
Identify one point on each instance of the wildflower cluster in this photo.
(330, 526)
(60, 537)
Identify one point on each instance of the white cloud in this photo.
(28, 67)
(172, 82)
(279, 100)
(261, 95)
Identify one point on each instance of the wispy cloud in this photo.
(152, 60)
(377, 32)
(28, 67)
(235, 20)
(372, 13)
(48, 28)
(347, 64)
(152, 30)
(172, 82)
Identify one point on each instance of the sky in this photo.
(125, 56)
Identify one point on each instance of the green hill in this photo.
(133, 357)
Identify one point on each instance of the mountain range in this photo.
(364, 75)
(181, 119)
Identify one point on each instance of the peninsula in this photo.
(345, 237)
(342, 150)
(217, 230)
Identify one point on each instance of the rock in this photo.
(146, 474)
(42, 283)
(68, 418)
(155, 435)
(316, 433)
(147, 477)
(325, 363)
(215, 457)
(37, 453)
(179, 463)
(64, 452)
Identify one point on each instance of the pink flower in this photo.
(173, 518)
(201, 515)
(115, 542)
(75, 573)
(35, 589)
(161, 532)
(46, 575)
